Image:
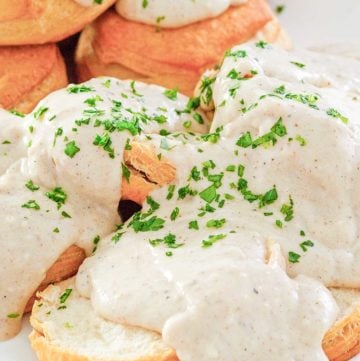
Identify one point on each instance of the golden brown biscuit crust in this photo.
(43, 21)
(337, 343)
(342, 341)
(169, 57)
(65, 267)
(28, 74)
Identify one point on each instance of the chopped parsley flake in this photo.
(230, 168)
(65, 295)
(206, 243)
(278, 128)
(133, 90)
(293, 257)
(32, 204)
(236, 54)
(164, 132)
(198, 118)
(241, 170)
(13, 315)
(154, 206)
(304, 245)
(280, 90)
(65, 214)
(208, 194)
(125, 172)
(58, 196)
(278, 223)
(31, 186)
(92, 101)
(206, 90)
(161, 119)
(169, 240)
(299, 65)
(17, 113)
(245, 140)
(301, 140)
(270, 138)
(171, 94)
(58, 133)
(171, 190)
(279, 9)
(212, 137)
(96, 241)
(128, 145)
(187, 124)
(287, 210)
(184, 191)
(152, 224)
(107, 83)
(175, 213)
(193, 225)
(104, 141)
(159, 19)
(334, 113)
(75, 89)
(261, 44)
(39, 114)
(195, 174)
(269, 197)
(117, 236)
(216, 223)
(308, 99)
(71, 149)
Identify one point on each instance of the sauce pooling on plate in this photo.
(63, 187)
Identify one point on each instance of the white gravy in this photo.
(172, 13)
(68, 120)
(193, 285)
(263, 214)
(12, 142)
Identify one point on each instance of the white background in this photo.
(310, 23)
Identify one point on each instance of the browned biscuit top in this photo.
(192, 48)
(22, 69)
(42, 21)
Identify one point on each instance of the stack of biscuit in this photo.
(31, 65)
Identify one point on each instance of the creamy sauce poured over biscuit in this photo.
(65, 187)
(270, 192)
(172, 13)
(12, 142)
(280, 167)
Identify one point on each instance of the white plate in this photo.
(310, 23)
